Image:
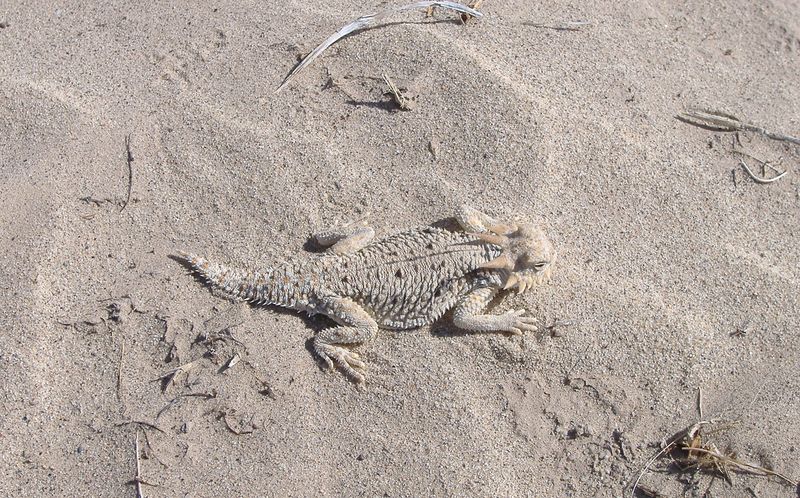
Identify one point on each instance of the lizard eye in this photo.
(539, 265)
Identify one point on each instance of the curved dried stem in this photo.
(367, 21)
(720, 121)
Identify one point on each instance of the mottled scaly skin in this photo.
(403, 281)
(410, 279)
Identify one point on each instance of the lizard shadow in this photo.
(312, 246)
(443, 330)
(449, 223)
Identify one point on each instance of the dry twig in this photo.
(138, 478)
(141, 423)
(119, 369)
(174, 401)
(368, 21)
(700, 402)
(720, 121)
(129, 160)
(764, 165)
(563, 26)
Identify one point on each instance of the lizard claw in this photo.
(515, 323)
(348, 361)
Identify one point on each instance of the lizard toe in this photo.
(349, 362)
(325, 352)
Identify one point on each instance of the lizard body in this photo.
(403, 281)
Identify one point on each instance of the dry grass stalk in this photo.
(140, 423)
(138, 478)
(563, 26)
(368, 21)
(128, 160)
(720, 121)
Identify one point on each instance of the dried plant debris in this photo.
(691, 450)
(141, 423)
(561, 26)
(367, 21)
(232, 362)
(763, 179)
(475, 5)
(168, 378)
(128, 160)
(137, 479)
(403, 102)
(237, 425)
(177, 399)
(720, 121)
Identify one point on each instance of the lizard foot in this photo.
(515, 323)
(345, 359)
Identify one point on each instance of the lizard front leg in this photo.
(347, 239)
(469, 315)
(355, 326)
(472, 220)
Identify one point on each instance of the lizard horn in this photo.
(502, 262)
(511, 281)
(498, 240)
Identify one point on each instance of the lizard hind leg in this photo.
(357, 326)
(472, 220)
(346, 239)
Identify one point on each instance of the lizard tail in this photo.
(253, 286)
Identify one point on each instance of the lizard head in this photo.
(527, 258)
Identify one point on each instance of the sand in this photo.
(666, 246)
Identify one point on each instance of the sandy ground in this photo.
(666, 246)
